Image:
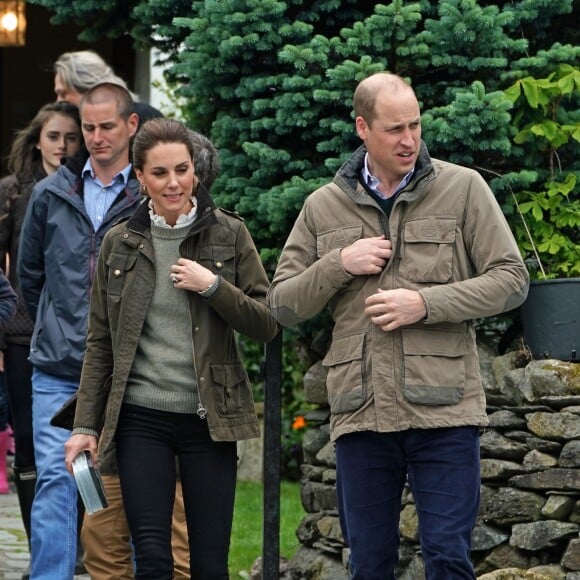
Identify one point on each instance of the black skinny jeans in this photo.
(18, 374)
(147, 443)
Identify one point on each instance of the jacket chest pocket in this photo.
(427, 250)
(119, 267)
(337, 239)
(220, 259)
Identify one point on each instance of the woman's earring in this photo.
(143, 189)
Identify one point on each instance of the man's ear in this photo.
(361, 127)
(133, 123)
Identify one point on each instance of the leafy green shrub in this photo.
(548, 131)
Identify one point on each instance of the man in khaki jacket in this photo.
(405, 251)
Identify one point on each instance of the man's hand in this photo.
(367, 256)
(390, 309)
(75, 445)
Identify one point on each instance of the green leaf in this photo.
(537, 212)
(530, 89)
(514, 92)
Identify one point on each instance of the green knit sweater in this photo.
(163, 374)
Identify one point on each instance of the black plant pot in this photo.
(551, 319)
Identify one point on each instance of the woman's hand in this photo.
(77, 444)
(191, 275)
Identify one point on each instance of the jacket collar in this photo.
(140, 222)
(71, 178)
(77, 162)
(348, 176)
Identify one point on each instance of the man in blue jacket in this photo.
(66, 220)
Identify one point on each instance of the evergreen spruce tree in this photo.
(271, 83)
(283, 77)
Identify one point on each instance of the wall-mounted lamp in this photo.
(12, 23)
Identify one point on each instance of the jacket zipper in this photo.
(201, 410)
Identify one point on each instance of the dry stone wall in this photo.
(529, 522)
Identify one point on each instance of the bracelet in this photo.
(211, 289)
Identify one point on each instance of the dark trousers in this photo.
(18, 373)
(442, 468)
(147, 443)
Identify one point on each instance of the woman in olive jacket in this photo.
(162, 377)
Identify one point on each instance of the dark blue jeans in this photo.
(442, 468)
(147, 443)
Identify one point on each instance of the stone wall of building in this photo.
(529, 521)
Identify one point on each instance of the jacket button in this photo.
(201, 379)
(219, 264)
(141, 246)
(117, 272)
(196, 329)
(125, 235)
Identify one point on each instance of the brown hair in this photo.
(24, 154)
(105, 92)
(155, 131)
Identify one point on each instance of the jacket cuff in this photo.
(85, 431)
(211, 290)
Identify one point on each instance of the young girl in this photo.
(37, 151)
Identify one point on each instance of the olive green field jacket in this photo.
(120, 298)
(452, 244)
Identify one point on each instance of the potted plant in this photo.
(547, 206)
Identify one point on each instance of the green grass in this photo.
(246, 543)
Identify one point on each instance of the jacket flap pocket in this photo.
(228, 374)
(437, 230)
(433, 342)
(345, 349)
(216, 252)
(337, 239)
(219, 259)
(119, 263)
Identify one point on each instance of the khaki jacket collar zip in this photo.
(347, 178)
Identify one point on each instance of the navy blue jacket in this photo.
(56, 262)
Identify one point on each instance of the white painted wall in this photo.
(160, 96)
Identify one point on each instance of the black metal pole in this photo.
(272, 442)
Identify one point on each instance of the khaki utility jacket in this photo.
(121, 294)
(451, 243)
